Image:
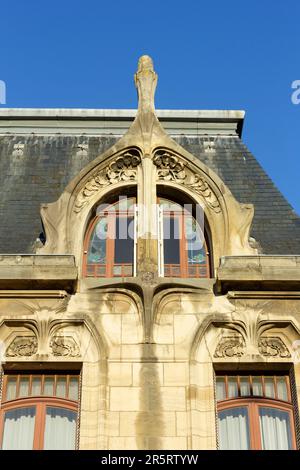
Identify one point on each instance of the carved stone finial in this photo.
(145, 81)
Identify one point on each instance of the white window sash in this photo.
(160, 240)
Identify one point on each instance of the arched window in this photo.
(110, 243)
(39, 411)
(255, 412)
(183, 250)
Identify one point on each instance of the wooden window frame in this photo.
(39, 402)
(253, 405)
(110, 243)
(183, 252)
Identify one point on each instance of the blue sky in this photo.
(209, 55)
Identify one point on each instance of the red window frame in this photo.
(40, 402)
(110, 246)
(254, 403)
(183, 269)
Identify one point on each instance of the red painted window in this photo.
(39, 411)
(109, 248)
(255, 412)
(183, 244)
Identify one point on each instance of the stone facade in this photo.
(148, 346)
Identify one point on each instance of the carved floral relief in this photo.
(171, 168)
(122, 168)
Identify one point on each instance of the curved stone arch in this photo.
(229, 221)
(83, 219)
(78, 200)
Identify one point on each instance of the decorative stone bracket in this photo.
(47, 339)
(245, 341)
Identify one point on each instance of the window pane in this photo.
(195, 242)
(275, 429)
(97, 249)
(60, 429)
(257, 386)
(61, 387)
(24, 387)
(234, 429)
(171, 240)
(221, 389)
(244, 386)
(124, 240)
(36, 386)
(73, 388)
(11, 389)
(232, 387)
(269, 387)
(18, 429)
(48, 386)
(282, 392)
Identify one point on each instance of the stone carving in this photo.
(230, 347)
(22, 346)
(200, 186)
(170, 168)
(123, 168)
(64, 346)
(273, 347)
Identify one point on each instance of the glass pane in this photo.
(245, 386)
(171, 240)
(232, 387)
(234, 429)
(73, 388)
(269, 387)
(195, 242)
(124, 240)
(221, 390)
(11, 389)
(257, 386)
(60, 429)
(282, 393)
(97, 248)
(24, 387)
(61, 387)
(36, 386)
(275, 429)
(48, 386)
(18, 429)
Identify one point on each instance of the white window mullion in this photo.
(135, 235)
(160, 241)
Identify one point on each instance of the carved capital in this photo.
(64, 346)
(273, 347)
(232, 346)
(122, 168)
(22, 346)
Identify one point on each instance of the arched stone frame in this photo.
(229, 226)
(91, 358)
(229, 221)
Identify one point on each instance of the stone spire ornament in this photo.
(145, 81)
(146, 124)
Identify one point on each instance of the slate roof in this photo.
(49, 162)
